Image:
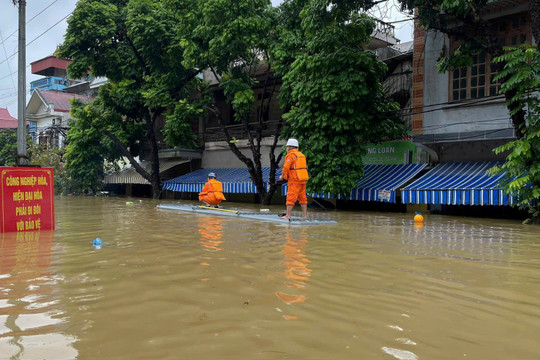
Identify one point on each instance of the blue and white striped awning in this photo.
(235, 180)
(457, 184)
(380, 183)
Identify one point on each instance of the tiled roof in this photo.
(6, 120)
(61, 99)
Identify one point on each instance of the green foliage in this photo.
(288, 36)
(522, 73)
(177, 129)
(8, 147)
(439, 14)
(136, 45)
(85, 152)
(462, 57)
(519, 79)
(230, 41)
(522, 166)
(334, 92)
(230, 38)
(41, 155)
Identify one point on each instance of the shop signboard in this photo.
(391, 153)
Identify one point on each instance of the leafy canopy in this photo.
(230, 38)
(522, 166)
(334, 92)
(134, 44)
(8, 147)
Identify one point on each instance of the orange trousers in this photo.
(296, 191)
(210, 199)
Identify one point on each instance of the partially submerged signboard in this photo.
(27, 199)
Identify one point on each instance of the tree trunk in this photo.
(154, 154)
(128, 155)
(518, 119)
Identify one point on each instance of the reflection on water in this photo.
(172, 285)
(31, 322)
(211, 232)
(297, 272)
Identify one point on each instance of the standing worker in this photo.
(296, 174)
(212, 192)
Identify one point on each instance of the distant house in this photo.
(49, 111)
(6, 120)
(48, 108)
(54, 72)
(89, 86)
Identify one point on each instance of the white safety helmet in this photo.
(212, 175)
(292, 142)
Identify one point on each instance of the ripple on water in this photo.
(400, 354)
(373, 287)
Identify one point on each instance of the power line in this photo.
(43, 33)
(9, 66)
(14, 72)
(37, 37)
(400, 21)
(479, 122)
(35, 16)
(464, 103)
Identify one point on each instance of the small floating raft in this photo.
(262, 216)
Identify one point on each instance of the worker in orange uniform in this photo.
(296, 174)
(212, 192)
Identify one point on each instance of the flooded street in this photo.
(173, 285)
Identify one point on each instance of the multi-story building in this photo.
(460, 114)
(459, 117)
(54, 74)
(48, 109)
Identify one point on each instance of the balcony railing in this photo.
(384, 28)
(240, 132)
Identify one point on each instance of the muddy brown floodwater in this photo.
(171, 285)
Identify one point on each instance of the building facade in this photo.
(49, 112)
(54, 74)
(460, 115)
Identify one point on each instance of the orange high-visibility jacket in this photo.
(295, 166)
(213, 188)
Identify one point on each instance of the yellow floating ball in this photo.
(418, 218)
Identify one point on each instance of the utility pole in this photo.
(21, 128)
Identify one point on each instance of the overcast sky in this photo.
(46, 25)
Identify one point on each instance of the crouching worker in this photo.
(212, 192)
(295, 172)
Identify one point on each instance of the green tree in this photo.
(44, 156)
(134, 44)
(334, 93)
(522, 166)
(8, 147)
(232, 40)
(87, 148)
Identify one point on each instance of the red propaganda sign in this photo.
(27, 199)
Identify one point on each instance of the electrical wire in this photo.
(35, 16)
(43, 33)
(37, 37)
(9, 66)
